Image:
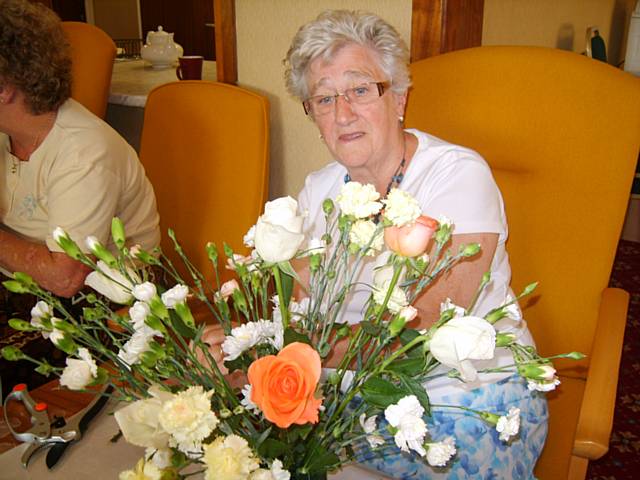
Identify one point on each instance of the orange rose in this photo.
(283, 386)
(411, 240)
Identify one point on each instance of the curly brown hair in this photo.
(34, 54)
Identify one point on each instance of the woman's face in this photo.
(356, 135)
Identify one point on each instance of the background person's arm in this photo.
(53, 271)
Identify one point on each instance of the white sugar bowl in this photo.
(160, 50)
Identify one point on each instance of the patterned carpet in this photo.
(623, 459)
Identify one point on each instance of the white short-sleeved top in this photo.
(447, 180)
(80, 177)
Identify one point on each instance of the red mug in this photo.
(190, 67)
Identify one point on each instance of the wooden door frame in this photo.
(437, 26)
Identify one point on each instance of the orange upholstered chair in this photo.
(205, 147)
(561, 133)
(92, 54)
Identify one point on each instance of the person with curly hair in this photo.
(60, 166)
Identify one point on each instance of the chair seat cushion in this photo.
(564, 408)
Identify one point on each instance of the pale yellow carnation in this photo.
(362, 232)
(229, 458)
(358, 200)
(401, 208)
(142, 471)
(188, 418)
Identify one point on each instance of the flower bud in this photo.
(15, 287)
(21, 325)
(117, 232)
(100, 251)
(64, 241)
(469, 250)
(504, 339)
(327, 206)
(11, 353)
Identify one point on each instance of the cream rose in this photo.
(139, 421)
(279, 230)
(461, 340)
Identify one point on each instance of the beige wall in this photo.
(264, 31)
(557, 23)
(265, 28)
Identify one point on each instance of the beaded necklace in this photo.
(397, 177)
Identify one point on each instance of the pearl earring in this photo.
(401, 118)
(321, 137)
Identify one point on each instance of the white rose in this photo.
(279, 230)
(401, 208)
(358, 200)
(111, 283)
(461, 340)
(249, 237)
(79, 373)
(175, 295)
(144, 291)
(139, 422)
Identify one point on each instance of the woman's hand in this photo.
(213, 336)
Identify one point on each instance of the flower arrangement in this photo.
(285, 414)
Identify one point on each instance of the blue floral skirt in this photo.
(480, 453)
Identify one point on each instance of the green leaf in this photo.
(272, 448)
(371, 329)
(381, 393)
(45, 368)
(411, 366)
(322, 460)
(286, 281)
(291, 336)
(418, 390)
(180, 327)
(407, 336)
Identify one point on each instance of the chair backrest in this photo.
(205, 147)
(561, 133)
(92, 54)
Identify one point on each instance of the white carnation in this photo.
(406, 417)
(139, 313)
(438, 454)
(508, 425)
(79, 373)
(242, 338)
(448, 305)
(175, 295)
(246, 401)
(229, 458)
(543, 386)
(369, 427)
(144, 291)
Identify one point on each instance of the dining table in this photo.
(101, 453)
(131, 82)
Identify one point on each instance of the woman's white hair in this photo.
(332, 30)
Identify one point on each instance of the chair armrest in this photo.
(596, 414)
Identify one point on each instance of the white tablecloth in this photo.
(96, 458)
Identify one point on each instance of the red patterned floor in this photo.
(623, 459)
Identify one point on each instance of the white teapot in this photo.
(160, 50)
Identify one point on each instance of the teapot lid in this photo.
(160, 33)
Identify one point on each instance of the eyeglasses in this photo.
(360, 95)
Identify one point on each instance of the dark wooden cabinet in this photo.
(191, 21)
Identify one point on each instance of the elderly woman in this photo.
(350, 71)
(60, 166)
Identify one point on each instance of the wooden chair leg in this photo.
(577, 468)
